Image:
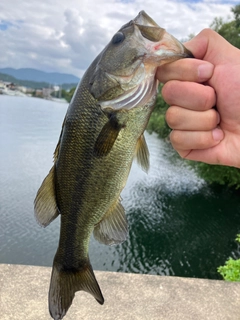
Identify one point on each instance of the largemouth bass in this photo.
(101, 134)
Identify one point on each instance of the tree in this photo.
(67, 95)
(229, 30)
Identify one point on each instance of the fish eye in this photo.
(118, 38)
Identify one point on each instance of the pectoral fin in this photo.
(142, 153)
(112, 229)
(106, 138)
(45, 205)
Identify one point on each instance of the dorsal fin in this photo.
(142, 153)
(112, 229)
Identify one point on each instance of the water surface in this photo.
(178, 225)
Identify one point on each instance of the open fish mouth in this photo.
(159, 41)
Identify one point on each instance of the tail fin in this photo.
(64, 284)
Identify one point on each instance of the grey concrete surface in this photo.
(24, 293)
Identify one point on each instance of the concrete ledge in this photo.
(24, 292)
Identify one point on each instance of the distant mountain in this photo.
(33, 84)
(30, 74)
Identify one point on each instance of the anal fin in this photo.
(113, 228)
(45, 206)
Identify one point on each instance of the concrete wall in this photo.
(24, 294)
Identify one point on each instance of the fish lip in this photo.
(168, 48)
(144, 19)
(188, 53)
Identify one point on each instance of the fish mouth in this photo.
(158, 41)
(145, 20)
(169, 48)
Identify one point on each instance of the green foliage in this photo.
(231, 270)
(67, 95)
(229, 30)
(223, 175)
(157, 121)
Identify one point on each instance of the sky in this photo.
(66, 35)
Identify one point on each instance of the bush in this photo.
(223, 175)
(231, 270)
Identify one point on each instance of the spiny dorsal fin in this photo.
(45, 205)
(113, 228)
(106, 138)
(142, 153)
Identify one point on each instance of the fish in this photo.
(103, 131)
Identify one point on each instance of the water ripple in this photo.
(177, 224)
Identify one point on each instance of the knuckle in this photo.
(204, 140)
(206, 32)
(176, 139)
(209, 98)
(172, 117)
(212, 119)
(167, 91)
(190, 140)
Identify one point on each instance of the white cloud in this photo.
(65, 36)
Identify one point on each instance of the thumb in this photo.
(208, 44)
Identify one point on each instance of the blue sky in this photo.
(66, 37)
(4, 25)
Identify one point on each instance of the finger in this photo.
(188, 140)
(205, 155)
(185, 70)
(188, 120)
(189, 95)
(203, 47)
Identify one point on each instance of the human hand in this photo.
(192, 88)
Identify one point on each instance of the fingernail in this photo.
(217, 134)
(205, 71)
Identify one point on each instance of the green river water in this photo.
(178, 225)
